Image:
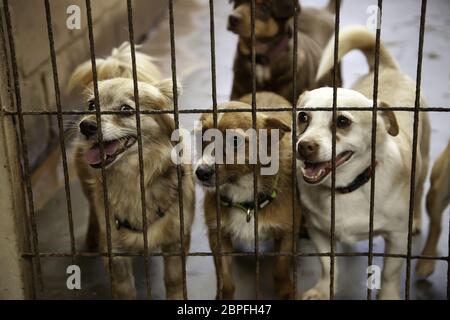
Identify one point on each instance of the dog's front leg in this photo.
(395, 243)
(282, 268)
(173, 269)
(223, 264)
(322, 288)
(123, 287)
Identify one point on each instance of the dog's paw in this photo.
(425, 268)
(315, 294)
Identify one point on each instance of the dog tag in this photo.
(249, 214)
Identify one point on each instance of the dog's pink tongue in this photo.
(312, 169)
(93, 155)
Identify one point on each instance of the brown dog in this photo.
(275, 196)
(116, 93)
(438, 198)
(274, 46)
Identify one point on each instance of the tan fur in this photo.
(123, 181)
(118, 64)
(275, 222)
(438, 198)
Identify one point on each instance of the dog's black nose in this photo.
(204, 172)
(88, 128)
(307, 149)
(233, 21)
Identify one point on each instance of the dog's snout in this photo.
(307, 149)
(204, 172)
(233, 21)
(88, 128)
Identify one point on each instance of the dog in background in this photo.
(353, 161)
(116, 93)
(275, 195)
(274, 46)
(438, 198)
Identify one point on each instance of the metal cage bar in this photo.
(60, 120)
(218, 248)
(295, 186)
(333, 147)
(24, 147)
(140, 155)
(414, 146)
(35, 255)
(100, 142)
(254, 126)
(374, 138)
(177, 126)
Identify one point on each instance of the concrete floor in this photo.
(399, 31)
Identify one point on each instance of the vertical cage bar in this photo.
(177, 126)
(140, 153)
(448, 262)
(100, 142)
(218, 253)
(414, 147)
(24, 146)
(62, 143)
(374, 138)
(294, 159)
(256, 166)
(333, 148)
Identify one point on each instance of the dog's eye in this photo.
(91, 105)
(265, 7)
(343, 122)
(303, 117)
(126, 108)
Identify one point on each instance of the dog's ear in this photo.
(166, 88)
(284, 9)
(276, 123)
(389, 119)
(166, 122)
(302, 99)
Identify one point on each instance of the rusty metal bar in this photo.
(374, 138)
(255, 166)
(295, 186)
(218, 249)
(24, 146)
(62, 143)
(200, 111)
(140, 153)
(333, 148)
(100, 142)
(414, 147)
(177, 126)
(27, 255)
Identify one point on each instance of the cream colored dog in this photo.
(116, 93)
(353, 161)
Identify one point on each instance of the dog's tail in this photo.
(118, 64)
(351, 38)
(331, 6)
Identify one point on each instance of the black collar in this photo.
(359, 181)
(264, 199)
(127, 225)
